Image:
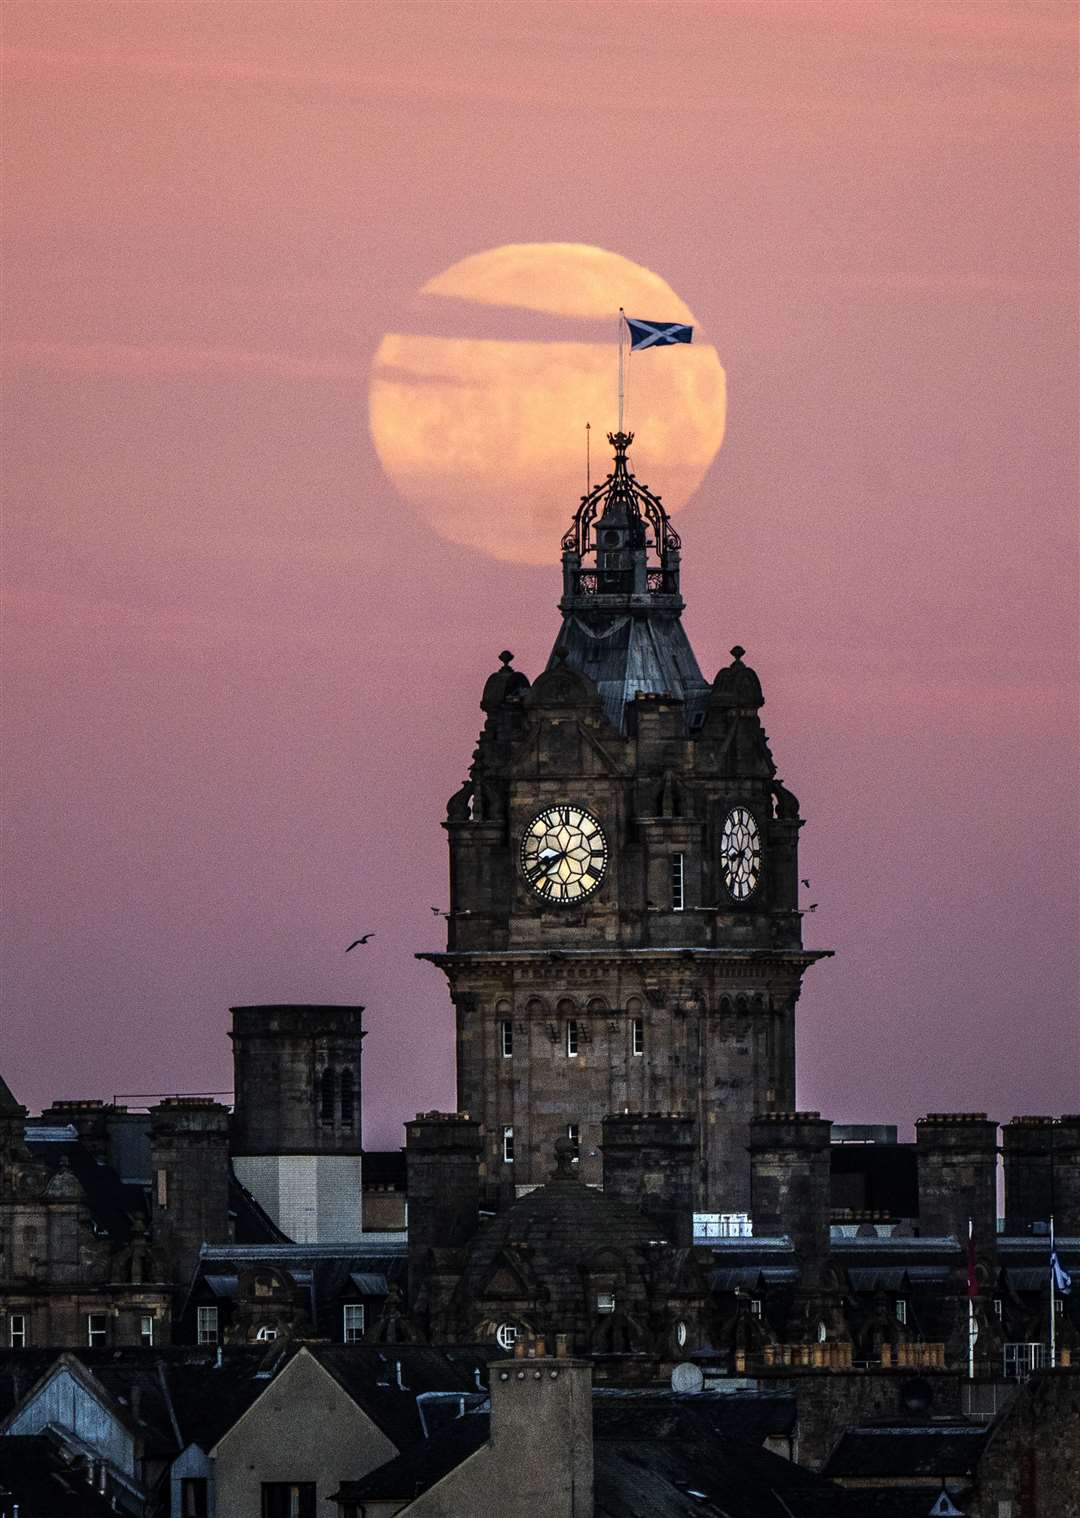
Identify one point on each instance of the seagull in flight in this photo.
(436, 910)
(807, 884)
(357, 941)
(812, 907)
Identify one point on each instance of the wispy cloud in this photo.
(177, 358)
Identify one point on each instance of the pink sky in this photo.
(241, 676)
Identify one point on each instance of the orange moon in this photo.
(485, 436)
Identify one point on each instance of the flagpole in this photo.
(971, 1309)
(1053, 1283)
(622, 324)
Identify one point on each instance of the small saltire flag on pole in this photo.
(655, 334)
(1062, 1278)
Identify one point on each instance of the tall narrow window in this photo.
(207, 1325)
(146, 1330)
(353, 1325)
(605, 1301)
(194, 1501)
(97, 1329)
(637, 1035)
(901, 1310)
(326, 1095)
(506, 1037)
(347, 1099)
(508, 1146)
(678, 899)
(573, 1133)
(571, 1038)
(17, 1330)
(163, 1189)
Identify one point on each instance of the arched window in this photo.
(326, 1101)
(346, 1098)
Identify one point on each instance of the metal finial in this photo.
(506, 656)
(737, 652)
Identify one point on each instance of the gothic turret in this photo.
(621, 603)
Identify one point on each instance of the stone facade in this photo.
(296, 1140)
(671, 985)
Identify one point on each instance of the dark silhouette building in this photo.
(624, 929)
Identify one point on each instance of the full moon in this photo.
(485, 435)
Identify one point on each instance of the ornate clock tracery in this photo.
(563, 854)
(740, 852)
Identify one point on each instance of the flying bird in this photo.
(806, 883)
(360, 941)
(812, 907)
(436, 910)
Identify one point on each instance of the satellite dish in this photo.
(687, 1378)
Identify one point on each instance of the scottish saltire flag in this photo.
(1062, 1278)
(655, 334)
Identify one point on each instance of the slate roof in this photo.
(723, 1479)
(7, 1101)
(654, 1452)
(178, 1387)
(908, 1450)
(326, 1274)
(623, 654)
(34, 1471)
(754, 1417)
(421, 1465)
(385, 1380)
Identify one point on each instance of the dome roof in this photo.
(560, 1226)
(737, 684)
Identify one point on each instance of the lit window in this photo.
(678, 900)
(507, 1335)
(637, 1033)
(680, 1333)
(573, 1133)
(17, 1330)
(97, 1329)
(605, 1301)
(508, 1146)
(901, 1310)
(571, 1038)
(207, 1331)
(998, 1307)
(1059, 1305)
(146, 1330)
(755, 1307)
(506, 1038)
(163, 1189)
(354, 1322)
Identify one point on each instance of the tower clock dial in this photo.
(740, 852)
(563, 854)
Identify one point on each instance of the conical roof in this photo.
(8, 1104)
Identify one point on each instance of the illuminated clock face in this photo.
(563, 854)
(740, 852)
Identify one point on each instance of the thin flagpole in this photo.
(1053, 1304)
(622, 324)
(971, 1309)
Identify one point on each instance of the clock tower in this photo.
(624, 932)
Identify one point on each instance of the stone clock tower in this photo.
(624, 932)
